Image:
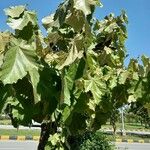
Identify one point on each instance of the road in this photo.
(20, 127)
(18, 145)
(133, 146)
(32, 145)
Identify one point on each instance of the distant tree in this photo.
(141, 113)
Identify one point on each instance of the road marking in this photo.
(130, 140)
(141, 141)
(118, 140)
(21, 138)
(4, 137)
(36, 138)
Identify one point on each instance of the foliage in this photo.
(71, 77)
(141, 113)
(93, 141)
(56, 142)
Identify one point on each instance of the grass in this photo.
(19, 132)
(5, 122)
(128, 126)
(16, 132)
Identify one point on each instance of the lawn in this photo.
(128, 126)
(5, 122)
(19, 132)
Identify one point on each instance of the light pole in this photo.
(122, 120)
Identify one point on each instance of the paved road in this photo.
(20, 127)
(18, 145)
(32, 145)
(133, 146)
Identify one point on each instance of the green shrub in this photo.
(93, 141)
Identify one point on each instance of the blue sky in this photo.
(138, 12)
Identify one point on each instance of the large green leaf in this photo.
(72, 56)
(68, 79)
(145, 60)
(113, 82)
(123, 77)
(76, 20)
(35, 79)
(136, 89)
(49, 22)
(20, 23)
(21, 111)
(22, 102)
(58, 18)
(14, 11)
(20, 58)
(96, 86)
(146, 64)
(85, 5)
(133, 65)
(92, 60)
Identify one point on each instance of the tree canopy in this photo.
(73, 76)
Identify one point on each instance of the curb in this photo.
(36, 138)
(19, 138)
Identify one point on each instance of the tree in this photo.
(68, 79)
(140, 113)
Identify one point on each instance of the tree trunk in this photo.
(114, 128)
(45, 132)
(113, 122)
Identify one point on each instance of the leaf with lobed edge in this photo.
(18, 60)
(72, 56)
(96, 86)
(20, 23)
(85, 5)
(15, 11)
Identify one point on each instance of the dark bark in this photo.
(113, 120)
(113, 123)
(45, 132)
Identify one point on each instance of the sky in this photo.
(138, 12)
